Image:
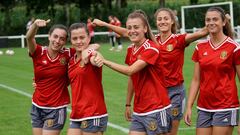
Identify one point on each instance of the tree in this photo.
(6, 6)
(192, 2)
(121, 3)
(162, 3)
(40, 6)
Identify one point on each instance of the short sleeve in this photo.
(127, 58)
(37, 51)
(150, 55)
(181, 41)
(236, 56)
(195, 57)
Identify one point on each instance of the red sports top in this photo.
(87, 91)
(218, 90)
(150, 94)
(51, 78)
(172, 54)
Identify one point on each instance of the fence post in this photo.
(238, 31)
(22, 41)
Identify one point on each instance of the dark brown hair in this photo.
(174, 25)
(227, 29)
(77, 26)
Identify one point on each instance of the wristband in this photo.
(128, 105)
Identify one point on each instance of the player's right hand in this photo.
(98, 22)
(128, 114)
(41, 23)
(187, 117)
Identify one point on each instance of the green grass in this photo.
(17, 72)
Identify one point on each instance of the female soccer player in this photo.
(171, 49)
(151, 103)
(51, 96)
(217, 60)
(89, 114)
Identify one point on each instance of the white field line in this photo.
(125, 130)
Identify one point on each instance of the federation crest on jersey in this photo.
(63, 61)
(223, 55)
(50, 122)
(169, 47)
(81, 64)
(84, 124)
(152, 125)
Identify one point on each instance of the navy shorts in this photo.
(48, 119)
(91, 125)
(152, 124)
(220, 118)
(177, 97)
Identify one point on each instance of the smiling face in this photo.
(79, 39)
(57, 39)
(214, 22)
(164, 21)
(136, 30)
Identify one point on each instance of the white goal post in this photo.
(183, 28)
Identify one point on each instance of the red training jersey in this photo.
(51, 78)
(87, 91)
(150, 94)
(172, 54)
(218, 90)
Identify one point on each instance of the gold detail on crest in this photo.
(63, 61)
(81, 64)
(169, 47)
(223, 55)
(152, 125)
(175, 111)
(50, 123)
(84, 124)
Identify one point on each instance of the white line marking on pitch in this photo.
(125, 130)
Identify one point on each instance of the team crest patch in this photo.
(223, 55)
(169, 47)
(152, 125)
(63, 61)
(84, 124)
(175, 112)
(81, 64)
(50, 123)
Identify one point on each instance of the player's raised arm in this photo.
(119, 30)
(196, 35)
(30, 36)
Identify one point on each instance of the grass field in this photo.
(16, 75)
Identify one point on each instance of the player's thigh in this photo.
(204, 131)
(74, 131)
(137, 133)
(226, 130)
(51, 132)
(88, 133)
(37, 131)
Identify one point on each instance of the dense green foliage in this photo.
(67, 12)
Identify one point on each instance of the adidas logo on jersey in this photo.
(44, 62)
(205, 54)
(225, 120)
